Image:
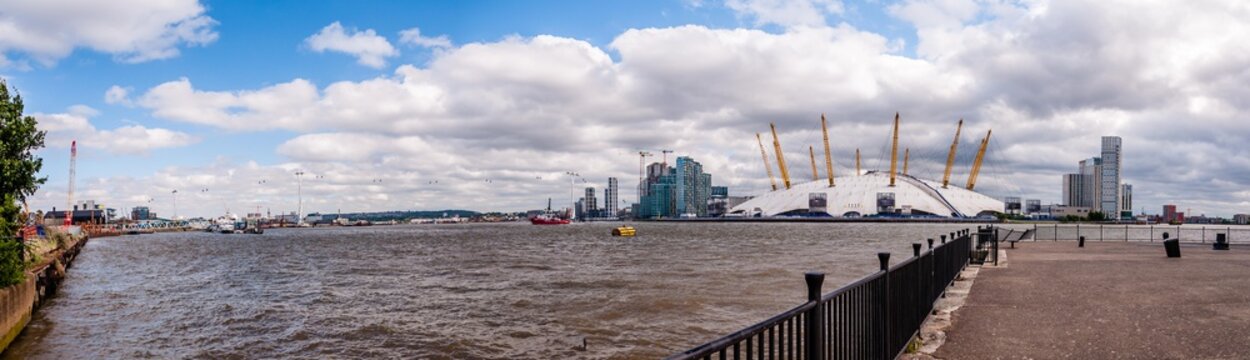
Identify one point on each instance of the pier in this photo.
(1106, 300)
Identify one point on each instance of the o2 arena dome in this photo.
(871, 193)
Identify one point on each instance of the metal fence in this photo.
(1145, 233)
(874, 317)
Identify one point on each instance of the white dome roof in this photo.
(858, 195)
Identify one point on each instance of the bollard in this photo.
(1172, 247)
(915, 249)
(814, 329)
(1221, 242)
(1080, 242)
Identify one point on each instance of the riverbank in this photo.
(19, 302)
(828, 220)
(1106, 300)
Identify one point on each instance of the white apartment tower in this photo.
(1109, 184)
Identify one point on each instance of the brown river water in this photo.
(491, 291)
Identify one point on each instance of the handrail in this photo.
(871, 317)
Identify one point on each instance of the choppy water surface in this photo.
(444, 291)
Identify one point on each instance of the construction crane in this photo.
(976, 165)
(665, 154)
(73, 172)
(828, 157)
(894, 152)
(768, 168)
(642, 159)
(781, 159)
(812, 152)
(950, 159)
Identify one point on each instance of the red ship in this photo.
(548, 218)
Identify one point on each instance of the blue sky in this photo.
(261, 43)
(228, 95)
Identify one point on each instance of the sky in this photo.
(487, 105)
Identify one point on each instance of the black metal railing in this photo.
(874, 317)
(1236, 234)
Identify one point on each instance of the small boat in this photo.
(548, 220)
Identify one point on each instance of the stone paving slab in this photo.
(1107, 301)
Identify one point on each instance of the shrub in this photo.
(12, 270)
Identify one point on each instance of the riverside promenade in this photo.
(1108, 300)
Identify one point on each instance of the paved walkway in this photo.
(1107, 301)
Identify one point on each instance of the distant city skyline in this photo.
(487, 105)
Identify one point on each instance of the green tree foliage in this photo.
(1097, 216)
(19, 138)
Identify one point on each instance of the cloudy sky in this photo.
(485, 106)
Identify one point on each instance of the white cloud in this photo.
(1048, 77)
(132, 30)
(787, 13)
(75, 125)
(413, 37)
(369, 49)
(117, 95)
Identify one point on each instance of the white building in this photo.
(870, 194)
(1109, 185)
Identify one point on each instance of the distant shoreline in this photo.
(828, 220)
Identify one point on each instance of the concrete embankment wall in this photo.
(19, 302)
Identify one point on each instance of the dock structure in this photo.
(1106, 300)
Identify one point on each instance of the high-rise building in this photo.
(1091, 190)
(1109, 184)
(683, 190)
(1078, 189)
(1169, 213)
(140, 213)
(694, 187)
(592, 203)
(1126, 201)
(611, 197)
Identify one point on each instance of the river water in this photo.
(500, 291)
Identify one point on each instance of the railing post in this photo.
(915, 249)
(884, 257)
(814, 332)
(944, 238)
(995, 246)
